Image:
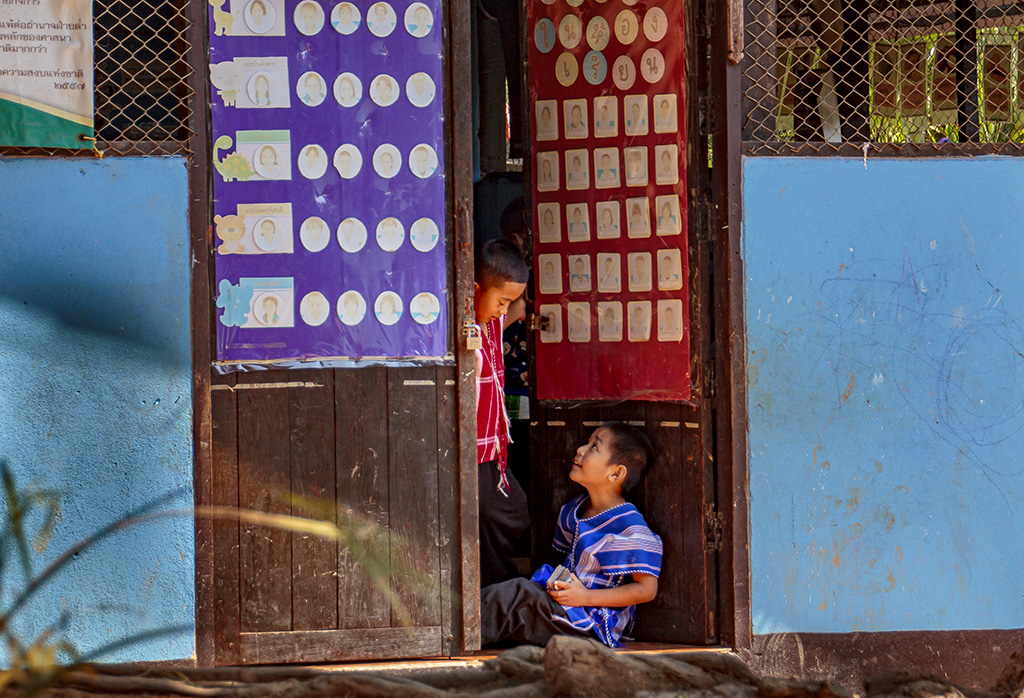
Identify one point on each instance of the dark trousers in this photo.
(520, 612)
(503, 521)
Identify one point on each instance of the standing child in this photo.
(613, 557)
(501, 276)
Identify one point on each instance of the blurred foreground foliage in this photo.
(37, 662)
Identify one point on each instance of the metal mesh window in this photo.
(825, 76)
(141, 76)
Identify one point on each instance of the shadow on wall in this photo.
(102, 245)
(100, 421)
(95, 382)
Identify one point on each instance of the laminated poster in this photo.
(329, 189)
(609, 199)
(46, 74)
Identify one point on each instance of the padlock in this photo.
(474, 338)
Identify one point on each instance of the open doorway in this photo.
(678, 495)
(390, 441)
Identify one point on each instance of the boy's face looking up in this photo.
(592, 467)
(491, 302)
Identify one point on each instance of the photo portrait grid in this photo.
(327, 234)
(609, 197)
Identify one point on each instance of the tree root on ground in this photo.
(567, 668)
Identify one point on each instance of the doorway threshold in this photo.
(477, 658)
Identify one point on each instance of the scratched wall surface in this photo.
(885, 329)
(95, 390)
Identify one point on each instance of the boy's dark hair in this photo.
(499, 262)
(631, 448)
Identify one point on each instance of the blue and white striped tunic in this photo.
(604, 551)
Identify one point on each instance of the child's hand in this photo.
(569, 593)
(516, 310)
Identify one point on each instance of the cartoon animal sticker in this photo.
(230, 229)
(222, 19)
(226, 76)
(233, 165)
(235, 303)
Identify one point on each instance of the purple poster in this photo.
(329, 190)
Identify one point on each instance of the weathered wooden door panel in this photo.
(452, 523)
(224, 493)
(377, 443)
(675, 495)
(314, 560)
(412, 473)
(362, 460)
(264, 478)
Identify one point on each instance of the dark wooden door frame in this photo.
(460, 99)
(726, 218)
(201, 234)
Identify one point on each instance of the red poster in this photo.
(609, 199)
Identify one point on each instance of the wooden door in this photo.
(378, 441)
(675, 498)
(678, 496)
(393, 444)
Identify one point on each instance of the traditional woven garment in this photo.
(492, 427)
(604, 551)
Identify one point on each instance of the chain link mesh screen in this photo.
(830, 75)
(141, 76)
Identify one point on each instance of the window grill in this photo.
(142, 70)
(846, 76)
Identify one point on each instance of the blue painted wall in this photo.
(885, 336)
(95, 386)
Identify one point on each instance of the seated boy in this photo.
(613, 557)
